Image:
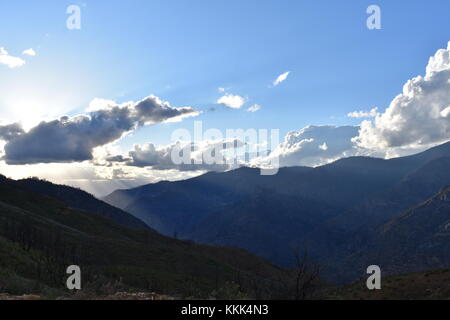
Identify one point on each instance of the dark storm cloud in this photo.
(10, 131)
(73, 139)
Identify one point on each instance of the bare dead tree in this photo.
(306, 275)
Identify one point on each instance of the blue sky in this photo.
(183, 51)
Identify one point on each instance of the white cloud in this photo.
(222, 89)
(10, 61)
(281, 78)
(314, 146)
(100, 104)
(29, 52)
(232, 101)
(254, 108)
(418, 116)
(213, 155)
(364, 114)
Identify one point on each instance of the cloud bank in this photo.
(74, 139)
(183, 156)
(419, 116)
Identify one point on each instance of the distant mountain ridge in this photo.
(79, 199)
(332, 210)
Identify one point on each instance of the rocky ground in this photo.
(135, 296)
(116, 296)
(4, 296)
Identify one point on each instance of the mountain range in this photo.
(334, 211)
(235, 234)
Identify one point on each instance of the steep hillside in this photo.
(418, 239)
(416, 186)
(267, 224)
(81, 200)
(41, 236)
(352, 229)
